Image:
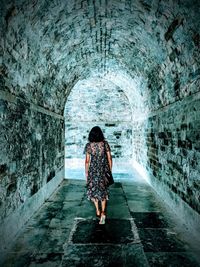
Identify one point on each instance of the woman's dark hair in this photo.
(96, 135)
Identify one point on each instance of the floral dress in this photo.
(96, 186)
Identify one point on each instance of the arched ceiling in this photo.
(48, 46)
(115, 80)
(97, 100)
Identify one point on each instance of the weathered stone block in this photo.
(180, 160)
(25, 159)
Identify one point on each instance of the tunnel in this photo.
(102, 102)
(130, 67)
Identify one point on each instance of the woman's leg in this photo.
(96, 203)
(103, 214)
(103, 205)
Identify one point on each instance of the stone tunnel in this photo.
(131, 67)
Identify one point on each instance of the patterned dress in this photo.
(96, 186)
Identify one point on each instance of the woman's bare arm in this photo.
(87, 163)
(109, 159)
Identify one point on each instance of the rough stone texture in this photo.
(97, 100)
(118, 134)
(15, 221)
(150, 49)
(172, 153)
(31, 153)
(105, 105)
(67, 41)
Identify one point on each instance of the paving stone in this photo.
(161, 240)
(113, 232)
(139, 194)
(118, 211)
(53, 240)
(136, 187)
(46, 260)
(62, 221)
(104, 256)
(172, 259)
(68, 211)
(134, 255)
(91, 256)
(150, 220)
(45, 214)
(65, 196)
(58, 236)
(29, 240)
(86, 212)
(18, 259)
(143, 205)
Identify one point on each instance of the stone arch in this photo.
(48, 47)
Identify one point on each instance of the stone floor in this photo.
(139, 231)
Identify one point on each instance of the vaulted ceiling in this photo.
(150, 48)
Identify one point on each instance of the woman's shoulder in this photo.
(87, 148)
(88, 144)
(107, 146)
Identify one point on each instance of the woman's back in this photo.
(98, 148)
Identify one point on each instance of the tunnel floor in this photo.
(139, 231)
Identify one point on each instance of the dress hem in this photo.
(94, 199)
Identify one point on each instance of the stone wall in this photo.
(119, 136)
(99, 103)
(31, 151)
(167, 144)
(48, 46)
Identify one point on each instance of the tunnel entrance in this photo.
(141, 61)
(99, 102)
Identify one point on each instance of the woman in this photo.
(98, 156)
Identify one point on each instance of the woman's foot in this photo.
(103, 218)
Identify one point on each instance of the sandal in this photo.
(103, 218)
